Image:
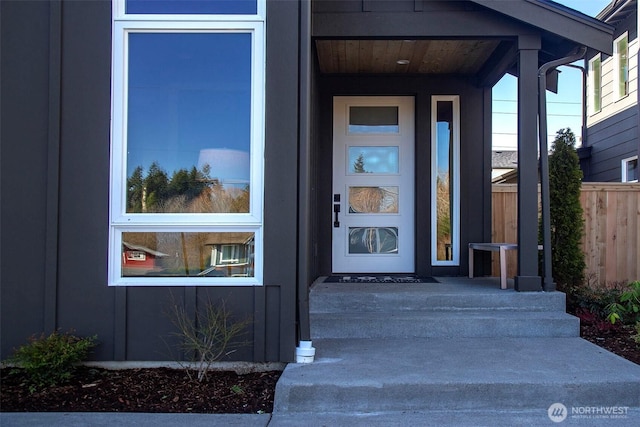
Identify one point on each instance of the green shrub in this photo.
(595, 299)
(566, 222)
(636, 336)
(627, 307)
(51, 360)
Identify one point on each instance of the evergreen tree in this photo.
(135, 190)
(567, 222)
(358, 165)
(156, 184)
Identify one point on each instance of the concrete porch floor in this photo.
(458, 352)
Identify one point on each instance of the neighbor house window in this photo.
(595, 92)
(621, 67)
(445, 180)
(630, 169)
(187, 140)
(136, 256)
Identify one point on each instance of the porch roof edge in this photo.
(557, 19)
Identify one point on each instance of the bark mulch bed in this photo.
(618, 340)
(154, 390)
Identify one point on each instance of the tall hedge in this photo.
(567, 222)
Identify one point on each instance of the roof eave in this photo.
(557, 19)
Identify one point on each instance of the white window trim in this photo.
(119, 220)
(119, 14)
(616, 67)
(624, 163)
(115, 278)
(455, 220)
(592, 84)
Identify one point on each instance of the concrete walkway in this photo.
(453, 418)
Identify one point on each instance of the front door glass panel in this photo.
(374, 160)
(373, 240)
(369, 200)
(365, 119)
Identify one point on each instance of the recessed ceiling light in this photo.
(402, 61)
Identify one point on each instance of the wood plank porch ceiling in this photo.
(465, 57)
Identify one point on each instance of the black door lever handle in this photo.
(336, 210)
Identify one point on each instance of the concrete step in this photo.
(379, 376)
(424, 324)
(463, 294)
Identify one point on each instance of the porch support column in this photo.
(528, 278)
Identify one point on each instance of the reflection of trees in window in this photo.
(187, 191)
(373, 240)
(358, 165)
(443, 211)
(373, 199)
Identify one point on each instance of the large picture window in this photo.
(187, 142)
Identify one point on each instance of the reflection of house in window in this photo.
(136, 256)
(232, 254)
(139, 260)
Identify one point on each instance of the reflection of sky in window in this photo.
(373, 129)
(376, 159)
(188, 92)
(443, 145)
(192, 6)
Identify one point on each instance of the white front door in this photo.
(373, 184)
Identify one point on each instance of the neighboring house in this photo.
(139, 260)
(232, 255)
(177, 129)
(610, 152)
(504, 167)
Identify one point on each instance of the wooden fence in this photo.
(611, 242)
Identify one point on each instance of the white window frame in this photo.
(616, 67)
(592, 86)
(455, 208)
(625, 163)
(120, 220)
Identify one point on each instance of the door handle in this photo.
(336, 210)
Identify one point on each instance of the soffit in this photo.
(462, 57)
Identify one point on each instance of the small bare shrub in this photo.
(209, 336)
